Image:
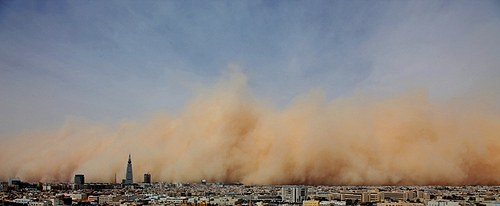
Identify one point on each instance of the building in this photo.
(23, 201)
(332, 203)
(56, 201)
(14, 181)
(411, 195)
(224, 200)
(310, 203)
(399, 204)
(396, 196)
(40, 203)
(353, 196)
(79, 179)
(104, 199)
(423, 195)
(493, 204)
(129, 178)
(76, 196)
(441, 203)
(147, 178)
(293, 194)
(365, 197)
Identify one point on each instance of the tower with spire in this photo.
(129, 178)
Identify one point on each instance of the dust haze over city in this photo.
(258, 92)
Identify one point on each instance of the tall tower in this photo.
(129, 178)
(79, 181)
(147, 178)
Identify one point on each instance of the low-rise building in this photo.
(310, 203)
(103, 199)
(23, 200)
(40, 203)
(332, 203)
(399, 204)
(441, 203)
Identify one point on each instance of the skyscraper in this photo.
(147, 178)
(79, 179)
(129, 178)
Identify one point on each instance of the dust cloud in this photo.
(225, 133)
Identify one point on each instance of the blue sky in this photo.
(111, 60)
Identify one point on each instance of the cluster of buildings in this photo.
(208, 194)
(79, 182)
(16, 192)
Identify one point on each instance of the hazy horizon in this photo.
(258, 92)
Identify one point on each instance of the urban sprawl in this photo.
(203, 193)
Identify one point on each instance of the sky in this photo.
(114, 62)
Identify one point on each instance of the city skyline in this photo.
(60, 194)
(258, 92)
